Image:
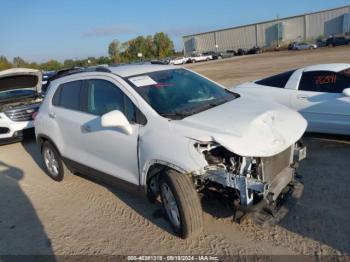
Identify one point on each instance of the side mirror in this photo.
(346, 91)
(117, 119)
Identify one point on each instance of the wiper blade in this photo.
(204, 107)
(175, 115)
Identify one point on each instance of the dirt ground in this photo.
(79, 216)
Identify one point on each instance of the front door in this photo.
(110, 150)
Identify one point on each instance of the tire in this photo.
(53, 163)
(185, 213)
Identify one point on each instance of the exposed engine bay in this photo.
(19, 103)
(247, 179)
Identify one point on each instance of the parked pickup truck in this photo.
(199, 58)
(20, 97)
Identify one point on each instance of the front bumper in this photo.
(12, 131)
(276, 174)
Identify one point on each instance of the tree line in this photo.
(148, 47)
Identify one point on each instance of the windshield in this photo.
(178, 93)
(15, 94)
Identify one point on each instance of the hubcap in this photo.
(51, 162)
(170, 206)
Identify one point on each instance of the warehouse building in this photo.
(306, 27)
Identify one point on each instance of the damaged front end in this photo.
(248, 180)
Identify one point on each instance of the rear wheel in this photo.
(53, 163)
(181, 203)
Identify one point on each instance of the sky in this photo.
(39, 30)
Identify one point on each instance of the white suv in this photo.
(171, 132)
(20, 98)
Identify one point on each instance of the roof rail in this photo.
(76, 70)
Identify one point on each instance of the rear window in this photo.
(279, 80)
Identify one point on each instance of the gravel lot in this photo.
(79, 216)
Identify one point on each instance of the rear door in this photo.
(320, 100)
(66, 115)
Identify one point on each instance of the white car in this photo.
(178, 61)
(304, 46)
(19, 98)
(199, 58)
(321, 93)
(169, 131)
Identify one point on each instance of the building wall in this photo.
(266, 34)
(325, 23)
(242, 37)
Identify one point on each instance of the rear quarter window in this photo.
(279, 80)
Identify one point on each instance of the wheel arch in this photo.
(41, 139)
(154, 167)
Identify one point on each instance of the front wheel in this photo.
(181, 203)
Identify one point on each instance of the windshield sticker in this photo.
(142, 81)
(325, 79)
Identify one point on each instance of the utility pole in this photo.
(278, 30)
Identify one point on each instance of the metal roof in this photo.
(336, 67)
(137, 69)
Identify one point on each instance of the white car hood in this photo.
(20, 78)
(245, 126)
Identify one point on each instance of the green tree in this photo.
(19, 62)
(114, 51)
(103, 60)
(33, 65)
(164, 46)
(143, 45)
(69, 63)
(51, 65)
(4, 63)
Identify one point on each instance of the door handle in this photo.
(302, 96)
(52, 115)
(85, 128)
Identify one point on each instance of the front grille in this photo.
(22, 114)
(272, 166)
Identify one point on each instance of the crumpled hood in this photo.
(20, 78)
(245, 126)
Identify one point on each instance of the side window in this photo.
(323, 81)
(279, 80)
(68, 95)
(104, 96)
